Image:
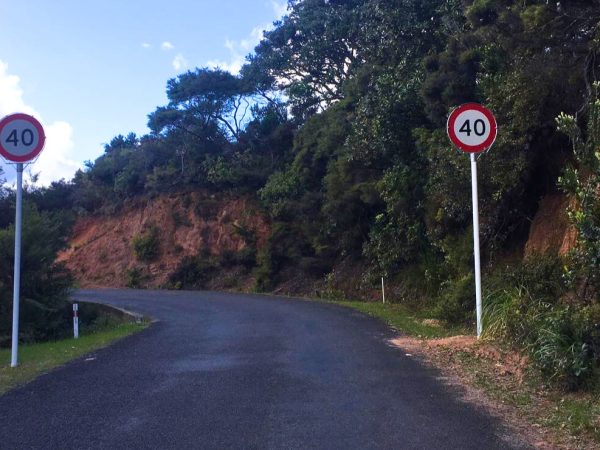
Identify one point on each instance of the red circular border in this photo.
(472, 148)
(36, 151)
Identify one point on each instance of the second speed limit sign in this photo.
(21, 138)
(472, 128)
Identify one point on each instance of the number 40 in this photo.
(27, 137)
(478, 127)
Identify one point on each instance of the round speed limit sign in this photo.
(21, 138)
(472, 128)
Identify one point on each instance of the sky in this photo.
(91, 70)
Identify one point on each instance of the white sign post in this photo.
(473, 129)
(76, 320)
(21, 141)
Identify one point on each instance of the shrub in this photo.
(563, 342)
(133, 277)
(456, 304)
(45, 311)
(192, 272)
(246, 257)
(264, 272)
(314, 266)
(560, 351)
(146, 246)
(332, 290)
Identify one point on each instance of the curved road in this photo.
(233, 371)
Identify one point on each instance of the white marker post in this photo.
(382, 290)
(21, 141)
(75, 321)
(473, 129)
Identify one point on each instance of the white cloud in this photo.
(279, 8)
(238, 51)
(146, 45)
(179, 62)
(233, 66)
(166, 46)
(11, 94)
(54, 162)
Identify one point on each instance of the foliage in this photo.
(133, 277)
(45, 284)
(146, 246)
(193, 272)
(525, 306)
(310, 53)
(582, 183)
(457, 300)
(282, 250)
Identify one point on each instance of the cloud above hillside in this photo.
(55, 162)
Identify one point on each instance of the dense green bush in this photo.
(45, 311)
(133, 277)
(193, 272)
(146, 246)
(245, 258)
(560, 349)
(456, 303)
(526, 307)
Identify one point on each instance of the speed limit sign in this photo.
(21, 138)
(472, 128)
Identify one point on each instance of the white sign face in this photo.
(21, 138)
(472, 128)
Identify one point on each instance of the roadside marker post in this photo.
(76, 320)
(22, 139)
(473, 129)
(382, 290)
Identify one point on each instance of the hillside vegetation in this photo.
(335, 128)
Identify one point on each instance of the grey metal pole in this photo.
(17, 277)
(476, 243)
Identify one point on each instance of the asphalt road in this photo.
(229, 371)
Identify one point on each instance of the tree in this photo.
(44, 283)
(310, 53)
(203, 98)
(582, 181)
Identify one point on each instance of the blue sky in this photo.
(90, 70)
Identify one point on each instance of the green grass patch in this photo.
(577, 414)
(402, 318)
(36, 359)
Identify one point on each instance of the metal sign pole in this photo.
(17, 277)
(476, 242)
(473, 129)
(22, 139)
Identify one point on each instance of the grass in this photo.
(36, 359)
(578, 414)
(402, 318)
